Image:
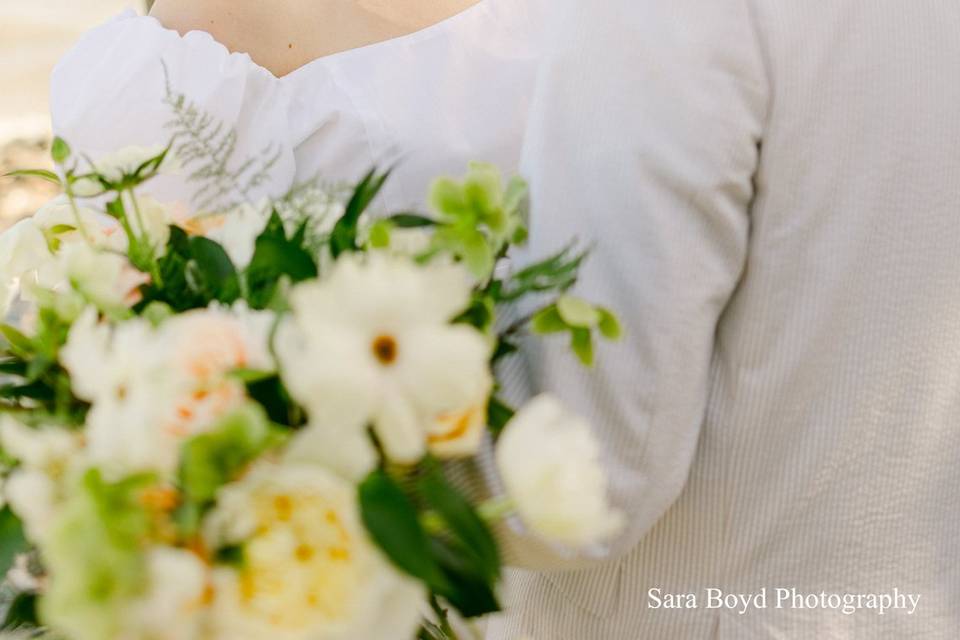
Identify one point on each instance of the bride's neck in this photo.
(413, 15)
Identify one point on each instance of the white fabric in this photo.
(791, 310)
(773, 189)
(427, 103)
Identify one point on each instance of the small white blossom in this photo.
(124, 162)
(550, 464)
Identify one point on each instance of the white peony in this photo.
(47, 458)
(550, 464)
(309, 572)
(373, 344)
(151, 389)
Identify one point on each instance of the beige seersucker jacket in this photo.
(773, 190)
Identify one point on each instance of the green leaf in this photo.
(214, 458)
(477, 254)
(157, 312)
(411, 221)
(391, 519)
(481, 313)
(273, 397)
(609, 325)
(21, 613)
(380, 234)
(504, 349)
(60, 150)
(548, 320)
(13, 367)
(43, 174)
(19, 343)
(471, 594)
(344, 235)
(13, 541)
(577, 312)
(276, 257)
(218, 279)
(474, 539)
(57, 229)
(581, 342)
(516, 195)
(447, 197)
(498, 414)
(556, 273)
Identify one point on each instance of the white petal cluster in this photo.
(173, 606)
(550, 464)
(151, 388)
(373, 344)
(49, 459)
(310, 571)
(30, 251)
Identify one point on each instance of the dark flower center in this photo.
(385, 349)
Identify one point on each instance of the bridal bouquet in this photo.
(240, 426)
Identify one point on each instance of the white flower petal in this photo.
(551, 468)
(400, 429)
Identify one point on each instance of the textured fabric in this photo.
(426, 103)
(772, 188)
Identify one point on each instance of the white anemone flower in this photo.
(310, 572)
(550, 464)
(373, 344)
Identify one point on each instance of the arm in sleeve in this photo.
(644, 142)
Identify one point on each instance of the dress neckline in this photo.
(407, 38)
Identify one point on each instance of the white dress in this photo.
(427, 103)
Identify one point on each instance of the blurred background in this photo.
(33, 36)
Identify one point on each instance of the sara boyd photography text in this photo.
(893, 601)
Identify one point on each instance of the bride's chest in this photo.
(426, 109)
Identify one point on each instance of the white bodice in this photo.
(427, 103)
